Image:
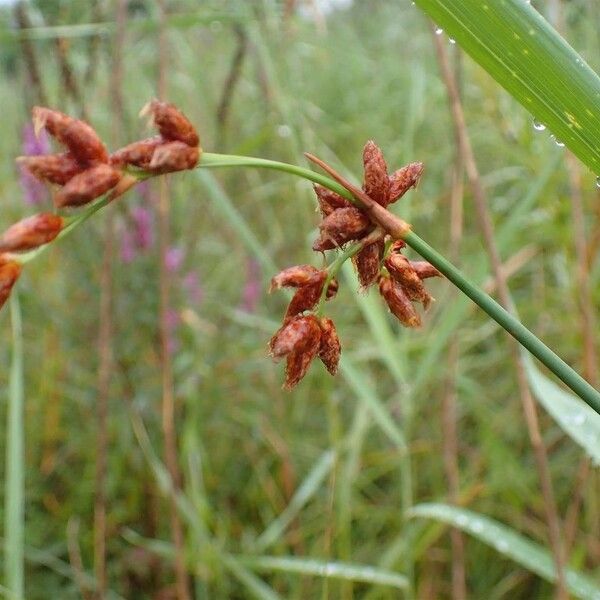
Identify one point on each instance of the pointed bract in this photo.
(398, 302)
(402, 271)
(403, 179)
(424, 269)
(171, 122)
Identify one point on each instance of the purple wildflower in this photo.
(174, 259)
(143, 227)
(252, 288)
(193, 288)
(34, 191)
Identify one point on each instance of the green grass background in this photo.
(245, 446)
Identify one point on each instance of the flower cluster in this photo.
(376, 257)
(85, 171)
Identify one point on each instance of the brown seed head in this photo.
(376, 182)
(289, 336)
(341, 226)
(304, 351)
(31, 232)
(403, 179)
(171, 122)
(9, 273)
(398, 302)
(295, 276)
(54, 168)
(307, 295)
(330, 348)
(79, 137)
(86, 186)
(138, 154)
(367, 263)
(329, 201)
(174, 156)
(402, 271)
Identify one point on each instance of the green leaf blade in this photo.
(528, 57)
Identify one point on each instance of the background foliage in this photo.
(319, 473)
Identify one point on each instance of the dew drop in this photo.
(438, 31)
(452, 40)
(538, 126)
(559, 143)
(598, 182)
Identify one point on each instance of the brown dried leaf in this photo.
(31, 232)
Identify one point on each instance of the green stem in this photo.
(15, 468)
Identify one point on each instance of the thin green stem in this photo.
(15, 467)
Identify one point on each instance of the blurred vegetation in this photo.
(325, 84)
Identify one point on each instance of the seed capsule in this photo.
(341, 226)
(402, 271)
(330, 348)
(403, 179)
(86, 186)
(376, 183)
(31, 233)
(54, 168)
(9, 273)
(398, 302)
(424, 269)
(367, 263)
(79, 137)
(138, 154)
(174, 156)
(171, 122)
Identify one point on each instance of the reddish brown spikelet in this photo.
(171, 122)
(367, 263)
(54, 168)
(86, 186)
(329, 201)
(398, 302)
(299, 359)
(79, 137)
(295, 276)
(9, 273)
(330, 348)
(174, 156)
(138, 154)
(341, 226)
(376, 182)
(31, 232)
(401, 270)
(403, 179)
(424, 269)
(307, 295)
(288, 336)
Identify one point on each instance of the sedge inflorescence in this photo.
(85, 171)
(350, 228)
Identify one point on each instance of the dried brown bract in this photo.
(401, 270)
(368, 263)
(31, 233)
(171, 122)
(137, 154)
(87, 186)
(341, 226)
(329, 201)
(398, 302)
(376, 182)
(80, 138)
(404, 179)
(174, 156)
(53, 168)
(9, 273)
(330, 347)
